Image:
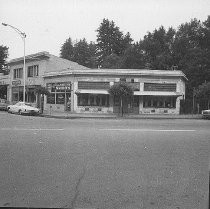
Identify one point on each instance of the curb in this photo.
(119, 117)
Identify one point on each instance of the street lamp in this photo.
(23, 36)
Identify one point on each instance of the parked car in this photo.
(23, 108)
(3, 104)
(206, 114)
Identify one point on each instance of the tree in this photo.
(111, 61)
(110, 40)
(67, 50)
(133, 58)
(157, 48)
(80, 52)
(191, 54)
(40, 91)
(3, 57)
(84, 53)
(203, 92)
(121, 90)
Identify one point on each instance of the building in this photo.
(78, 89)
(36, 65)
(155, 91)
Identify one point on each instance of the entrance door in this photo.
(127, 107)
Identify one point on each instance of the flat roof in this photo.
(117, 72)
(31, 57)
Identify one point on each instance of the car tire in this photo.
(19, 112)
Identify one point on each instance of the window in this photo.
(93, 85)
(160, 87)
(33, 71)
(51, 99)
(60, 98)
(18, 73)
(159, 102)
(31, 96)
(93, 100)
(17, 94)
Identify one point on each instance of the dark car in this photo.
(206, 114)
(3, 104)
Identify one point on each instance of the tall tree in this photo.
(110, 40)
(157, 48)
(133, 57)
(67, 50)
(80, 52)
(3, 57)
(84, 53)
(191, 54)
(203, 92)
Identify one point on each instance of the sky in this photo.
(48, 23)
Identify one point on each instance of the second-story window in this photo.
(33, 71)
(18, 73)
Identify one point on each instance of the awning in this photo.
(157, 93)
(84, 91)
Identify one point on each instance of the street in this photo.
(103, 163)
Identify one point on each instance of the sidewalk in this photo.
(68, 115)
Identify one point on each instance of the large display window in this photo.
(100, 100)
(159, 102)
(60, 93)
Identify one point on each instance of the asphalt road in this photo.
(103, 164)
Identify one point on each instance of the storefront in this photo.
(30, 94)
(60, 95)
(155, 92)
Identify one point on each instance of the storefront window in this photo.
(30, 96)
(159, 102)
(104, 100)
(51, 99)
(97, 101)
(17, 93)
(60, 98)
(136, 101)
(93, 100)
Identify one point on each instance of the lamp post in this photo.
(23, 36)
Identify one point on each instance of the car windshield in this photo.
(28, 104)
(22, 103)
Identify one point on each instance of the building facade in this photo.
(36, 65)
(86, 91)
(77, 89)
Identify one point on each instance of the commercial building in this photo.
(78, 89)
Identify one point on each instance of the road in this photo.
(103, 164)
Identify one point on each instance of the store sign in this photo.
(15, 83)
(59, 86)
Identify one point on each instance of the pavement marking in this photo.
(147, 130)
(31, 129)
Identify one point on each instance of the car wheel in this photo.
(19, 112)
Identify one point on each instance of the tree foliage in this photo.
(67, 50)
(186, 48)
(41, 90)
(203, 93)
(110, 40)
(121, 90)
(3, 57)
(80, 52)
